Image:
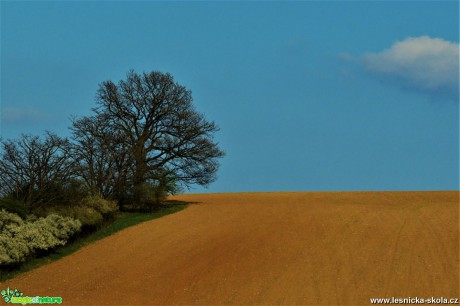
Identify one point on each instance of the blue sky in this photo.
(354, 95)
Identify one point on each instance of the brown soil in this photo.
(269, 249)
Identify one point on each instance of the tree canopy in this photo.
(33, 170)
(144, 136)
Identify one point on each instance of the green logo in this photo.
(16, 297)
(8, 294)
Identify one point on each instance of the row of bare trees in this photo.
(31, 169)
(143, 140)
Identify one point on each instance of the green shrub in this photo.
(38, 236)
(88, 216)
(12, 250)
(9, 220)
(20, 239)
(31, 218)
(90, 211)
(48, 233)
(61, 227)
(103, 206)
(14, 206)
(147, 197)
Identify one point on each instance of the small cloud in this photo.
(429, 65)
(15, 114)
(347, 57)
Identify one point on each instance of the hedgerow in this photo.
(89, 217)
(103, 206)
(9, 220)
(90, 211)
(20, 239)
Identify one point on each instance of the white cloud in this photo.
(15, 114)
(422, 63)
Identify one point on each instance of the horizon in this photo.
(316, 191)
(309, 96)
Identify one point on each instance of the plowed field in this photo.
(269, 249)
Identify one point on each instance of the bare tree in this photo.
(144, 133)
(104, 159)
(31, 169)
(147, 127)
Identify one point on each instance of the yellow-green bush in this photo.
(63, 228)
(12, 250)
(8, 220)
(91, 211)
(38, 236)
(47, 233)
(103, 206)
(88, 216)
(20, 239)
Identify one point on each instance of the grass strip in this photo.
(122, 221)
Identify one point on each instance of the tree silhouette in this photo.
(145, 132)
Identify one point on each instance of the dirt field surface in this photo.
(269, 249)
